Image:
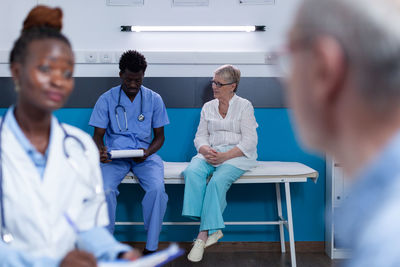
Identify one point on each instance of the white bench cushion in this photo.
(264, 169)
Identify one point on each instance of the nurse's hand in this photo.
(78, 258)
(103, 155)
(141, 159)
(131, 255)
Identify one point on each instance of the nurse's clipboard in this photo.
(153, 260)
(125, 153)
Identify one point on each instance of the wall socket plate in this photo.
(90, 57)
(106, 57)
(271, 58)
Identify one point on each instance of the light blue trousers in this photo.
(205, 201)
(151, 178)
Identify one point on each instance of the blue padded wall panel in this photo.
(245, 202)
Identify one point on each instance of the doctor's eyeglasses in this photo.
(218, 84)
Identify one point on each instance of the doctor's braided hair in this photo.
(41, 23)
(133, 61)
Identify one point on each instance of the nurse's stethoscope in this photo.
(6, 236)
(119, 106)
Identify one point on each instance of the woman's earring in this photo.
(16, 86)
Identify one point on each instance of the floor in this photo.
(249, 259)
(248, 254)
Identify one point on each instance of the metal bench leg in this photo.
(279, 204)
(290, 224)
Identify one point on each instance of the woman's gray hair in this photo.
(229, 73)
(369, 33)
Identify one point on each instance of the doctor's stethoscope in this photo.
(140, 117)
(6, 236)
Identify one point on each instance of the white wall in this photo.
(93, 26)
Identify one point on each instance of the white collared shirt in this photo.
(238, 128)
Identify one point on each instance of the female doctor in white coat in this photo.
(51, 197)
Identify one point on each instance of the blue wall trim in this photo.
(245, 202)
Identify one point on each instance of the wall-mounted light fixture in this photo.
(128, 28)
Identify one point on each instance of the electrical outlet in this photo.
(106, 57)
(91, 57)
(271, 58)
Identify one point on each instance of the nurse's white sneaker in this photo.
(196, 254)
(212, 239)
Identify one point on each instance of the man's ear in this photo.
(330, 69)
(120, 74)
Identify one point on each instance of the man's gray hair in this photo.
(369, 33)
(229, 73)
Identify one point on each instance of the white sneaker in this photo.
(212, 239)
(196, 254)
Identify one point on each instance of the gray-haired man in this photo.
(344, 88)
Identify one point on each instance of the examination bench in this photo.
(266, 172)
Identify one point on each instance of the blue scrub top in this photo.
(139, 133)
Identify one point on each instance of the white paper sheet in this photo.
(128, 153)
(155, 259)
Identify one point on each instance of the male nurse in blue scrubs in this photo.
(125, 117)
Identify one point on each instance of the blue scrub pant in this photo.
(207, 201)
(151, 177)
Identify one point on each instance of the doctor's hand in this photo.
(78, 258)
(218, 158)
(141, 159)
(103, 155)
(131, 255)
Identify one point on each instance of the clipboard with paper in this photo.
(156, 259)
(125, 153)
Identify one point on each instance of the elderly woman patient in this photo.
(226, 141)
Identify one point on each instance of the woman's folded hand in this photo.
(217, 158)
(207, 151)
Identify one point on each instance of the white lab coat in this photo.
(34, 206)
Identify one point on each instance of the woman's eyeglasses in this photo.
(218, 84)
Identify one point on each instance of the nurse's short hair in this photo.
(229, 73)
(368, 32)
(133, 61)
